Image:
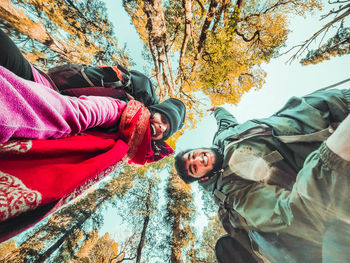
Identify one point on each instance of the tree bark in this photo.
(204, 32)
(143, 232)
(59, 242)
(157, 39)
(176, 255)
(187, 5)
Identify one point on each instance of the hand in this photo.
(211, 110)
(129, 96)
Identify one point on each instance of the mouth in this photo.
(153, 131)
(205, 159)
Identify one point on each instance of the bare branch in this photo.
(307, 43)
(333, 11)
(269, 9)
(338, 1)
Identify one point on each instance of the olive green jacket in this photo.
(287, 181)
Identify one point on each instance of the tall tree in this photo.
(140, 203)
(336, 45)
(180, 212)
(216, 45)
(62, 31)
(68, 224)
(211, 233)
(96, 249)
(145, 206)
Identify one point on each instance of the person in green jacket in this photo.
(283, 180)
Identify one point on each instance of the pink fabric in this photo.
(33, 110)
(38, 78)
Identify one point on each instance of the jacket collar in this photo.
(210, 184)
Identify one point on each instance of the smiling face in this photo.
(160, 126)
(199, 162)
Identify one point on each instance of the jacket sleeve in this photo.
(333, 104)
(319, 195)
(312, 112)
(224, 119)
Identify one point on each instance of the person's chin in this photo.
(212, 157)
(155, 138)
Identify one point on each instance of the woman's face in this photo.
(160, 126)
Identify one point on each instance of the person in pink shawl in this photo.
(38, 112)
(50, 150)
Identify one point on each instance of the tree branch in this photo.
(211, 12)
(201, 6)
(187, 5)
(256, 33)
(271, 8)
(307, 43)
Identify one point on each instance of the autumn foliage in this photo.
(210, 52)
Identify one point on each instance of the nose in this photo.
(162, 127)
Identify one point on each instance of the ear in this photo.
(202, 179)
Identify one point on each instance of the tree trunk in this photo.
(33, 245)
(78, 224)
(143, 232)
(176, 256)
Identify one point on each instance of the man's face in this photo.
(160, 126)
(199, 162)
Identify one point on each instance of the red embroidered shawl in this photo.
(36, 172)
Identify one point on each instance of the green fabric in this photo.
(319, 194)
(142, 88)
(234, 249)
(299, 116)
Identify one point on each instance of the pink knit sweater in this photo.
(34, 110)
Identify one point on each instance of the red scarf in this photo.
(37, 172)
(138, 135)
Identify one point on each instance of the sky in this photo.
(282, 82)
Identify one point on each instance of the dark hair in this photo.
(183, 173)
